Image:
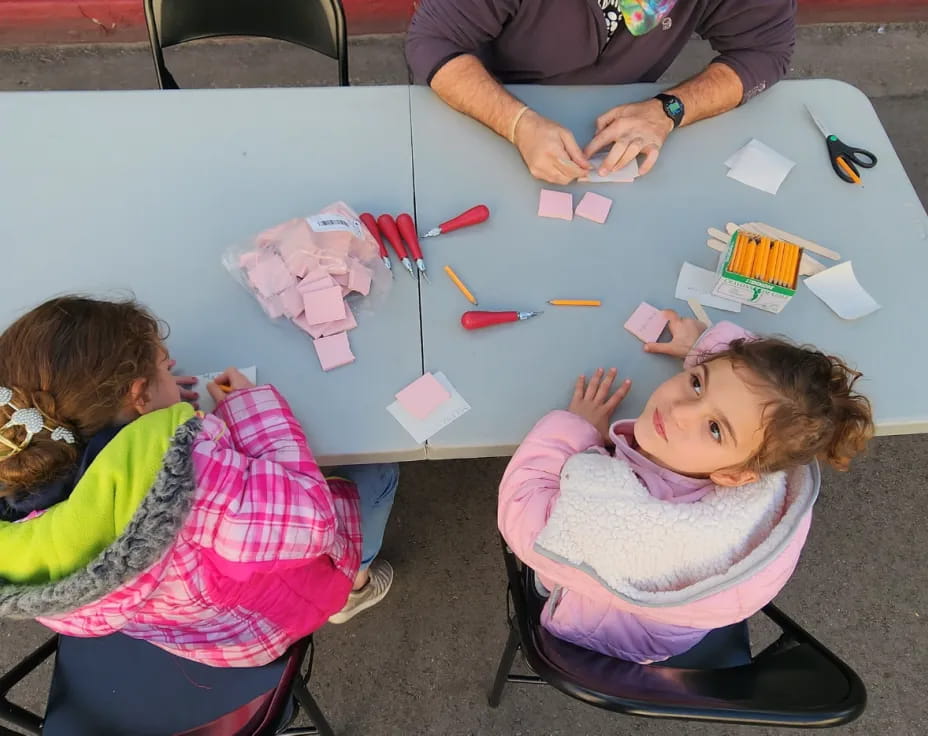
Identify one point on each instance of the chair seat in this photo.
(116, 685)
(729, 646)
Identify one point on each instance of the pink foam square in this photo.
(330, 328)
(333, 351)
(594, 207)
(324, 305)
(559, 205)
(646, 323)
(359, 278)
(421, 397)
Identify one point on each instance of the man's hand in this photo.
(684, 333)
(641, 127)
(549, 150)
(593, 402)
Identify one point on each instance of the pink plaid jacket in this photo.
(266, 554)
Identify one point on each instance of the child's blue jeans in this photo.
(376, 486)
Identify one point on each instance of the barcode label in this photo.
(325, 223)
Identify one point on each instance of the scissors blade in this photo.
(817, 122)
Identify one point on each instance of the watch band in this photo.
(673, 107)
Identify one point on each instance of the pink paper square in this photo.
(333, 351)
(421, 397)
(556, 204)
(594, 207)
(341, 279)
(324, 305)
(291, 302)
(646, 323)
(359, 278)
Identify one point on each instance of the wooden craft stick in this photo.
(716, 233)
(699, 312)
(765, 229)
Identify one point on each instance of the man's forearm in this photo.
(713, 91)
(466, 85)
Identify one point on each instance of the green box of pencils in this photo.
(758, 271)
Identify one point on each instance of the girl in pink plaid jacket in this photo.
(215, 536)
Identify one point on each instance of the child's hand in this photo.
(184, 384)
(593, 402)
(231, 379)
(684, 333)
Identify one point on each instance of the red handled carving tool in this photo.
(473, 216)
(387, 226)
(407, 229)
(371, 224)
(475, 320)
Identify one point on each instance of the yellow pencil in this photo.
(777, 261)
(575, 302)
(768, 266)
(460, 284)
(749, 261)
(764, 257)
(782, 275)
(737, 260)
(771, 262)
(791, 268)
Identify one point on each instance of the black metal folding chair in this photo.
(793, 682)
(116, 685)
(315, 24)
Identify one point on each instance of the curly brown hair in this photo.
(815, 413)
(74, 359)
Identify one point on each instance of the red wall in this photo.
(51, 21)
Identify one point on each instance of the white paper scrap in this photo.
(759, 166)
(839, 289)
(697, 283)
(441, 417)
(626, 174)
(205, 401)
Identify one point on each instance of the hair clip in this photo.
(32, 420)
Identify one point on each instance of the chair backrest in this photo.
(115, 684)
(315, 24)
(796, 682)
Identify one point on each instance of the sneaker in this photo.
(381, 578)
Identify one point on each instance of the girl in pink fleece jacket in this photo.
(650, 532)
(122, 509)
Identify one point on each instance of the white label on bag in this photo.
(325, 223)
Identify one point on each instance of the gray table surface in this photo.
(513, 374)
(107, 192)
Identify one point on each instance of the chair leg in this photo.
(308, 703)
(505, 665)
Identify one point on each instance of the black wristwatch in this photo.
(673, 107)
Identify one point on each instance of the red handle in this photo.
(473, 216)
(476, 320)
(388, 227)
(408, 230)
(371, 224)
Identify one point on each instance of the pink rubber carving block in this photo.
(559, 205)
(324, 305)
(594, 207)
(646, 323)
(333, 351)
(421, 397)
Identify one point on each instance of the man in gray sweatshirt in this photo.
(465, 50)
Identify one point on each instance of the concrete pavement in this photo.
(420, 662)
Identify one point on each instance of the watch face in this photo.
(674, 108)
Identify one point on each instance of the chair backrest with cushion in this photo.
(315, 24)
(794, 682)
